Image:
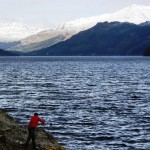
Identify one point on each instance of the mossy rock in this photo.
(13, 136)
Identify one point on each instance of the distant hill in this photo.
(7, 45)
(15, 31)
(104, 39)
(7, 53)
(36, 46)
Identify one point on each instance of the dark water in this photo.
(93, 103)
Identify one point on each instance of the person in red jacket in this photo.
(31, 128)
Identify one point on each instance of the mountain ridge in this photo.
(113, 38)
(139, 14)
(133, 14)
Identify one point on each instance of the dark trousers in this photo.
(31, 135)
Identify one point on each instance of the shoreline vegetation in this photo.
(13, 135)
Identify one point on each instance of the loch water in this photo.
(88, 103)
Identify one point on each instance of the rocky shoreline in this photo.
(13, 136)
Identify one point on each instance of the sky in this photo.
(47, 13)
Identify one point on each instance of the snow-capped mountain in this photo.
(134, 14)
(15, 31)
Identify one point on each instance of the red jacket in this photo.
(34, 121)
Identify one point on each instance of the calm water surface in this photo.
(93, 103)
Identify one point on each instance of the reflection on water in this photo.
(89, 103)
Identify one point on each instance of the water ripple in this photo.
(88, 103)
